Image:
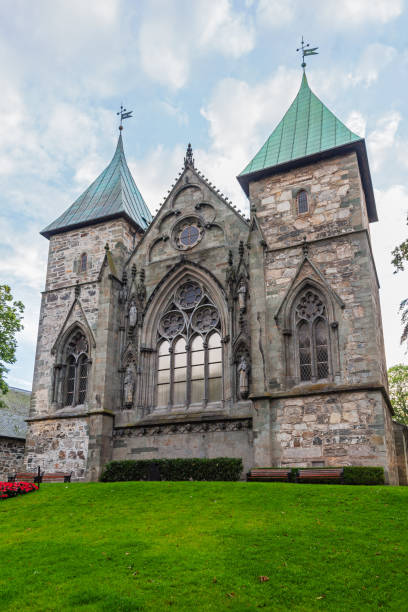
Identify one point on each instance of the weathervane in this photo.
(124, 114)
(306, 52)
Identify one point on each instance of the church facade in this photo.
(201, 333)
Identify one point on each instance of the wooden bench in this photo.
(40, 477)
(320, 475)
(269, 475)
(56, 477)
(35, 477)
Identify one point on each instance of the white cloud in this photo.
(156, 172)
(175, 111)
(359, 12)
(381, 140)
(275, 13)
(357, 123)
(238, 129)
(169, 41)
(392, 205)
(373, 60)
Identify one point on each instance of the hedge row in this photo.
(359, 475)
(353, 475)
(221, 468)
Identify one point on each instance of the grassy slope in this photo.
(203, 546)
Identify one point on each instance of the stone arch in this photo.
(163, 297)
(300, 335)
(72, 367)
(158, 300)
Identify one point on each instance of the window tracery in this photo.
(76, 375)
(312, 336)
(189, 363)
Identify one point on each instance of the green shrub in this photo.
(221, 468)
(360, 475)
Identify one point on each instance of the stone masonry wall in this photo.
(336, 430)
(11, 456)
(338, 245)
(62, 274)
(58, 445)
(132, 444)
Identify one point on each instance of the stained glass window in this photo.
(189, 235)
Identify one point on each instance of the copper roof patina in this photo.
(308, 132)
(113, 194)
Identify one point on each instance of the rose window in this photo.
(172, 323)
(189, 295)
(205, 318)
(188, 233)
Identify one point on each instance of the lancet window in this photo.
(312, 336)
(189, 363)
(76, 370)
(302, 202)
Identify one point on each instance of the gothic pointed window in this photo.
(76, 369)
(189, 361)
(312, 336)
(302, 202)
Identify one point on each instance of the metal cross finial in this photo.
(306, 51)
(124, 114)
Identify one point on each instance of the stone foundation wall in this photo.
(11, 456)
(186, 440)
(58, 445)
(335, 430)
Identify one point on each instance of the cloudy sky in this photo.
(220, 73)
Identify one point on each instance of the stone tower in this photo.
(76, 342)
(201, 333)
(319, 383)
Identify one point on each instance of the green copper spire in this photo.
(113, 194)
(307, 128)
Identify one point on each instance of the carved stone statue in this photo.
(242, 293)
(243, 371)
(128, 386)
(132, 315)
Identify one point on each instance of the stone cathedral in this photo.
(201, 333)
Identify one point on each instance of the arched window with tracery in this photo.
(189, 361)
(312, 336)
(76, 369)
(302, 202)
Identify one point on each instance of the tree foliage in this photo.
(399, 261)
(11, 314)
(398, 382)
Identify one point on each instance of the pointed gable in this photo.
(308, 132)
(113, 194)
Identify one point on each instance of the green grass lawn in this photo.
(204, 546)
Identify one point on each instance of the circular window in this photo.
(172, 323)
(189, 295)
(188, 233)
(205, 318)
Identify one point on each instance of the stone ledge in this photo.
(207, 426)
(70, 415)
(326, 389)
